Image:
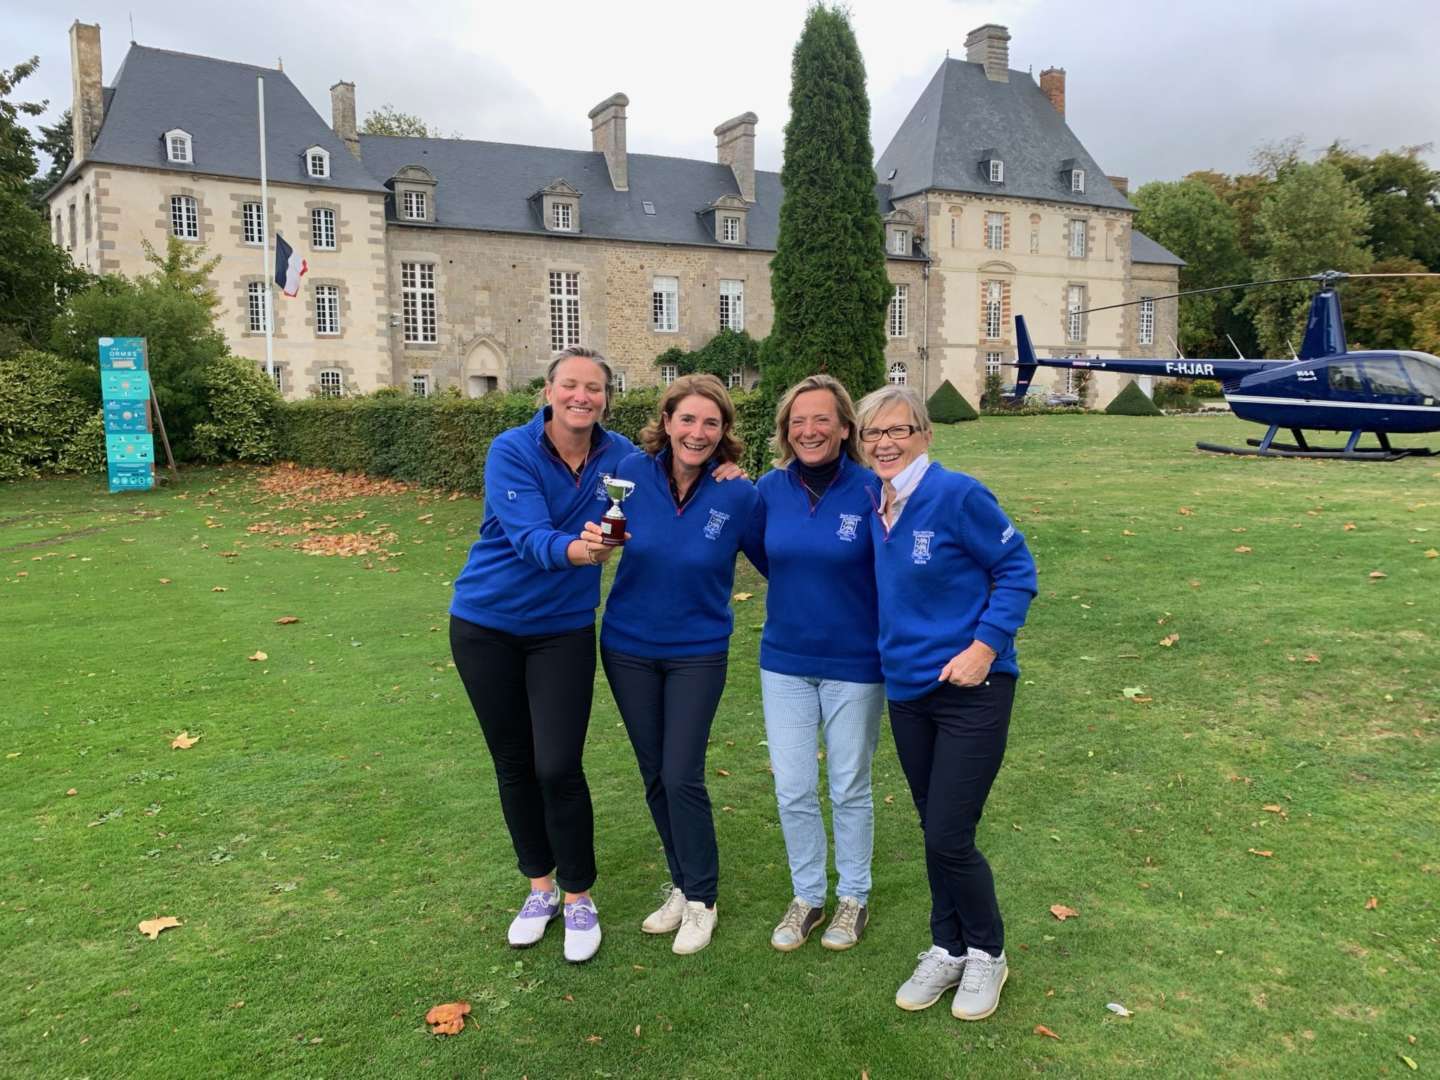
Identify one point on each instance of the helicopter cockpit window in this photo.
(1387, 379)
(1345, 376)
(1426, 377)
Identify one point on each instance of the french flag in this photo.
(289, 267)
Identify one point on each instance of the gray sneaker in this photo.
(936, 972)
(794, 929)
(979, 991)
(848, 924)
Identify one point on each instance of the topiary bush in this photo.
(1132, 402)
(948, 406)
(46, 424)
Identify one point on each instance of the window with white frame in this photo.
(257, 298)
(177, 147)
(899, 314)
(1077, 238)
(332, 383)
(252, 223)
(184, 217)
(327, 309)
(322, 228)
(618, 382)
(278, 377)
(997, 172)
(1147, 321)
(897, 374)
(1072, 381)
(562, 216)
(995, 231)
(414, 205)
(730, 228)
(665, 304)
(317, 163)
(732, 305)
(1077, 180)
(735, 379)
(668, 374)
(994, 309)
(900, 242)
(417, 302)
(420, 384)
(992, 363)
(1075, 318)
(564, 309)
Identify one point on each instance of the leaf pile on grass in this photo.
(307, 487)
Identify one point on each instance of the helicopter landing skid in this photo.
(1268, 447)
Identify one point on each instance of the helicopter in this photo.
(1325, 387)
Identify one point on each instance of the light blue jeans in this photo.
(799, 712)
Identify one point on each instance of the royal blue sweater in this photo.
(952, 571)
(820, 612)
(671, 595)
(518, 578)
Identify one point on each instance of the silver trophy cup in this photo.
(612, 525)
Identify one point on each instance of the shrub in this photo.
(242, 406)
(46, 424)
(1132, 402)
(948, 406)
(1207, 388)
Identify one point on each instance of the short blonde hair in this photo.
(653, 439)
(877, 401)
(588, 354)
(844, 409)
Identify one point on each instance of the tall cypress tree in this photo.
(828, 279)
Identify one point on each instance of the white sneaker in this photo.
(979, 992)
(696, 926)
(539, 911)
(582, 930)
(666, 918)
(936, 972)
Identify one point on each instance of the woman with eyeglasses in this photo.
(955, 580)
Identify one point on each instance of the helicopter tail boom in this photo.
(1226, 371)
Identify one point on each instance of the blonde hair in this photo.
(653, 439)
(877, 401)
(844, 410)
(588, 354)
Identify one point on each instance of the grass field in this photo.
(333, 846)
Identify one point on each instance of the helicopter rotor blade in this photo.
(1412, 273)
(1198, 292)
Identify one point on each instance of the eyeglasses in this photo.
(896, 433)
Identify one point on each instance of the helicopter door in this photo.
(1426, 377)
(1388, 381)
(1346, 381)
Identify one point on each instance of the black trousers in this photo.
(668, 707)
(532, 695)
(950, 743)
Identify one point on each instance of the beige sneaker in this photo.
(696, 926)
(849, 923)
(794, 929)
(666, 918)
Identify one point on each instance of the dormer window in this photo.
(1072, 171)
(724, 219)
(562, 216)
(414, 187)
(317, 163)
(729, 229)
(900, 242)
(1077, 180)
(178, 148)
(414, 209)
(900, 232)
(558, 205)
(997, 171)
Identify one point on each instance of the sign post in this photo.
(125, 392)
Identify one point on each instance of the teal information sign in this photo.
(125, 394)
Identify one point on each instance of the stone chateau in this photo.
(439, 263)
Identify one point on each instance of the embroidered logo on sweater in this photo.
(1007, 534)
(715, 524)
(920, 553)
(510, 494)
(600, 490)
(848, 524)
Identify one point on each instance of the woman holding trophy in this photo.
(665, 637)
(522, 631)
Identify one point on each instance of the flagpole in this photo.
(265, 234)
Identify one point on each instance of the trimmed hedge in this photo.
(46, 424)
(948, 406)
(1132, 402)
(442, 441)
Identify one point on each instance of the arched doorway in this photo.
(484, 370)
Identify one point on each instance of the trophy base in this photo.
(612, 532)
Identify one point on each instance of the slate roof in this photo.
(961, 114)
(215, 101)
(1145, 250)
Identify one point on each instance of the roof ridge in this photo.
(199, 56)
(558, 149)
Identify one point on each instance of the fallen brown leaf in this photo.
(1349, 526)
(72, 791)
(889, 800)
(1262, 854)
(1372, 904)
(1126, 532)
(722, 772)
(1376, 575)
(1169, 639)
(287, 620)
(1185, 511)
(1273, 808)
(593, 1039)
(1061, 912)
(1041, 1029)
(448, 1019)
(184, 741)
(743, 595)
(1431, 553)
(1243, 550)
(258, 655)
(219, 588)
(1312, 658)
(164, 581)
(151, 927)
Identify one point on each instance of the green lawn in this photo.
(334, 849)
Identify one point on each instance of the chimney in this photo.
(1052, 85)
(342, 115)
(607, 134)
(1120, 184)
(735, 146)
(990, 45)
(88, 101)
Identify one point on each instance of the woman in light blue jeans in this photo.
(819, 662)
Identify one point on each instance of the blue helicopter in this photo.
(1324, 388)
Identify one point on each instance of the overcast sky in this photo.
(1154, 90)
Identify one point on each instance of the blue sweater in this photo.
(518, 578)
(953, 570)
(671, 595)
(820, 612)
